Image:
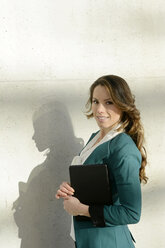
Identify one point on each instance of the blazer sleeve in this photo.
(125, 163)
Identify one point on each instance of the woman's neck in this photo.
(104, 131)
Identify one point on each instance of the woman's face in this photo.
(106, 114)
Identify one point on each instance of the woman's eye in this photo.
(109, 102)
(95, 101)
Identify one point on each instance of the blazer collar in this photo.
(98, 155)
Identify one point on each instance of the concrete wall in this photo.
(51, 52)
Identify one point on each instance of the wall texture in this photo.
(52, 39)
(51, 52)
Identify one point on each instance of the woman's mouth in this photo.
(102, 118)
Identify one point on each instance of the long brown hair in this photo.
(122, 97)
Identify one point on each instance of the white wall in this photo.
(52, 51)
(52, 39)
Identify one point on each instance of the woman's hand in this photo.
(74, 207)
(64, 190)
(71, 204)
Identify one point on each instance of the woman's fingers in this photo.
(64, 190)
(60, 194)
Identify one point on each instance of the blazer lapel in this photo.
(98, 155)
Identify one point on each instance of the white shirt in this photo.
(85, 153)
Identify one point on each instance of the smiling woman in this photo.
(119, 144)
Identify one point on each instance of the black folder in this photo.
(91, 184)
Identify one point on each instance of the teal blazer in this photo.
(124, 161)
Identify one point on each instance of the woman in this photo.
(119, 144)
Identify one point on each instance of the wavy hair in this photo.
(131, 122)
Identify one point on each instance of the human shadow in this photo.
(41, 219)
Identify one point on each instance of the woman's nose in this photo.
(100, 108)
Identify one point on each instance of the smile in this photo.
(102, 117)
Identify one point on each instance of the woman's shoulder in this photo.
(123, 143)
(122, 138)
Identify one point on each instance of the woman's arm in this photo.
(126, 175)
(124, 164)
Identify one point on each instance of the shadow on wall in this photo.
(40, 217)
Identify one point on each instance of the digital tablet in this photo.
(91, 184)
